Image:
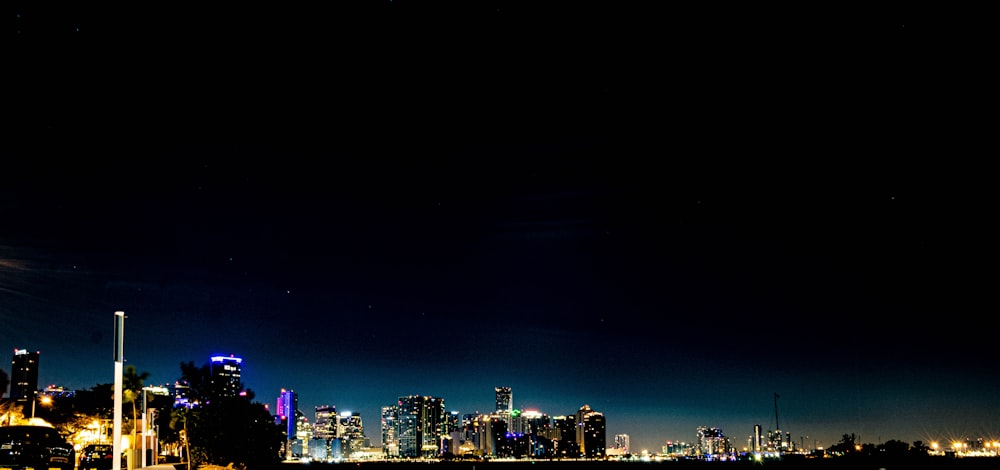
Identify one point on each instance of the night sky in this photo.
(670, 215)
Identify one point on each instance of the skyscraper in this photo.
(564, 433)
(622, 443)
(390, 446)
(711, 441)
(590, 432)
(504, 402)
(24, 374)
(226, 376)
(288, 407)
(351, 432)
(325, 426)
(420, 423)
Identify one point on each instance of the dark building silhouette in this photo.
(226, 376)
(24, 375)
(590, 432)
(564, 437)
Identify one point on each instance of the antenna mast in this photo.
(776, 424)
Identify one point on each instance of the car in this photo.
(38, 447)
(98, 456)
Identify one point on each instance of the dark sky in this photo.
(669, 215)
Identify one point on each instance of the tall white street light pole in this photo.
(116, 443)
(145, 427)
(143, 461)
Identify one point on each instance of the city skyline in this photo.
(669, 214)
(734, 436)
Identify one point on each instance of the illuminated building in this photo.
(453, 422)
(622, 444)
(590, 432)
(711, 442)
(420, 424)
(492, 431)
(226, 376)
(182, 394)
(564, 436)
(325, 426)
(24, 375)
(470, 430)
(757, 439)
(351, 432)
(287, 409)
(676, 449)
(535, 422)
(303, 434)
(390, 445)
(505, 404)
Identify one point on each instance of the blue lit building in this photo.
(225, 372)
(286, 411)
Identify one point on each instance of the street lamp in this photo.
(145, 427)
(45, 401)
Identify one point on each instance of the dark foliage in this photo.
(234, 431)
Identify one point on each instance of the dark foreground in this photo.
(861, 463)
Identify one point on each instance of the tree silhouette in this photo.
(132, 383)
(894, 447)
(198, 380)
(225, 430)
(4, 383)
(235, 431)
(846, 444)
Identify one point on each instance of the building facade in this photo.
(420, 423)
(390, 445)
(505, 402)
(622, 444)
(24, 374)
(590, 432)
(325, 424)
(226, 376)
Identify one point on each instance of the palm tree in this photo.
(132, 383)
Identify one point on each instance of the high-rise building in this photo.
(24, 374)
(351, 432)
(325, 426)
(226, 376)
(286, 410)
(536, 422)
(420, 423)
(390, 445)
(590, 432)
(492, 431)
(622, 444)
(711, 441)
(756, 439)
(564, 435)
(504, 402)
